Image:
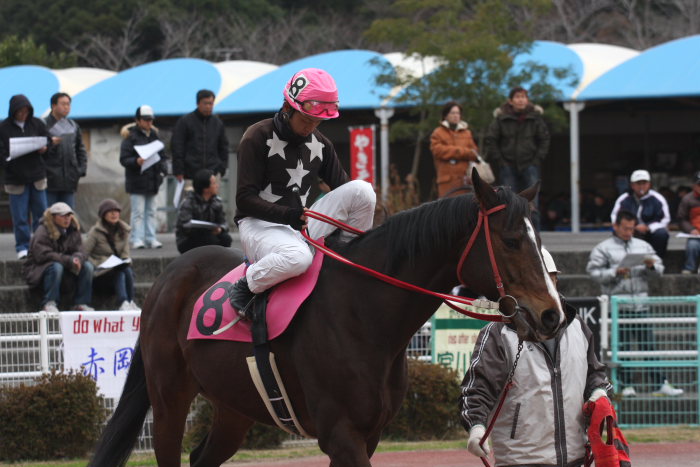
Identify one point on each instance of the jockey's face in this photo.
(303, 125)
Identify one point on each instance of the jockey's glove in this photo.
(475, 435)
(293, 218)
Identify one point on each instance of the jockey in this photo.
(279, 159)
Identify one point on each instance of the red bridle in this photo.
(483, 221)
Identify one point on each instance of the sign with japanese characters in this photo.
(362, 153)
(100, 344)
(453, 339)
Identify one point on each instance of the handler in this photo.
(278, 160)
(541, 421)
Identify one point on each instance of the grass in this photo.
(672, 434)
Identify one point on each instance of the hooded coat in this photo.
(148, 182)
(97, 245)
(452, 151)
(50, 244)
(30, 167)
(66, 162)
(517, 139)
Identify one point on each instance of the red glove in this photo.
(613, 451)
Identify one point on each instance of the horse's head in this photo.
(528, 293)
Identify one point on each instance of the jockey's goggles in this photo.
(317, 108)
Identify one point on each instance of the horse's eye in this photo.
(511, 243)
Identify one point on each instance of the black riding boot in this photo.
(241, 297)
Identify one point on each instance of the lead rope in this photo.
(509, 384)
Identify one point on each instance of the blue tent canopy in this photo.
(35, 82)
(668, 70)
(553, 55)
(351, 70)
(169, 86)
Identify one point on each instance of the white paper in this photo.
(687, 235)
(23, 145)
(62, 127)
(178, 192)
(147, 163)
(113, 261)
(147, 150)
(195, 224)
(633, 259)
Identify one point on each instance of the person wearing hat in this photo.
(56, 249)
(110, 237)
(552, 381)
(651, 209)
(279, 159)
(689, 215)
(142, 184)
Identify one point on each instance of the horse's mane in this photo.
(436, 226)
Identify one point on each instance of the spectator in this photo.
(110, 237)
(650, 209)
(604, 267)
(57, 247)
(66, 161)
(517, 142)
(24, 176)
(142, 185)
(202, 204)
(689, 215)
(541, 420)
(558, 212)
(453, 148)
(199, 141)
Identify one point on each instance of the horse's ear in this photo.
(484, 192)
(530, 193)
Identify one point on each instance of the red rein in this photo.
(447, 298)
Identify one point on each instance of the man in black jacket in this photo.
(199, 140)
(24, 172)
(66, 161)
(203, 206)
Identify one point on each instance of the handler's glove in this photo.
(475, 435)
(597, 394)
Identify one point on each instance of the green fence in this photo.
(653, 341)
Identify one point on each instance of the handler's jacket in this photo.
(541, 422)
(651, 209)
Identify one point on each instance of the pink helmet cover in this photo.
(311, 84)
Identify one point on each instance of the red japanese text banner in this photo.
(362, 154)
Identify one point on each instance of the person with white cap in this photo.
(651, 209)
(142, 184)
(279, 160)
(541, 421)
(57, 247)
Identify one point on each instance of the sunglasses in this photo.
(319, 107)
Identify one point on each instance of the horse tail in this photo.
(119, 436)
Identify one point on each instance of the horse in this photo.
(343, 357)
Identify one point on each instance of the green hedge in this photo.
(59, 417)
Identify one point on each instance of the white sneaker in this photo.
(22, 254)
(133, 306)
(629, 392)
(83, 307)
(125, 306)
(138, 245)
(667, 390)
(155, 244)
(50, 307)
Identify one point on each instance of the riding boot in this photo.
(257, 313)
(241, 297)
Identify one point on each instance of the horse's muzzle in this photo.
(529, 326)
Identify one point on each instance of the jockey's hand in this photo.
(475, 435)
(295, 218)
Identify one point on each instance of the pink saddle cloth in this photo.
(213, 311)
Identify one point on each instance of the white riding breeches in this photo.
(279, 252)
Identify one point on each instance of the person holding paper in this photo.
(203, 205)
(606, 265)
(66, 160)
(55, 250)
(142, 184)
(107, 247)
(689, 215)
(23, 145)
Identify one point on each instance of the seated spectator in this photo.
(55, 247)
(204, 205)
(110, 237)
(650, 208)
(558, 212)
(596, 210)
(689, 216)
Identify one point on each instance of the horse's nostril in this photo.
(550, 320)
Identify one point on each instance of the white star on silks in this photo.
(267, 194)
(276, 146)
(305, 195)
(296, 175)
(316, 148)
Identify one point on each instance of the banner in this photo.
(453, 338)
(100, 344)
(362, 154)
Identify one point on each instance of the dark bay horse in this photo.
(343, 358)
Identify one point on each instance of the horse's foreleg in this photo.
(344, 445)
(223, 440)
